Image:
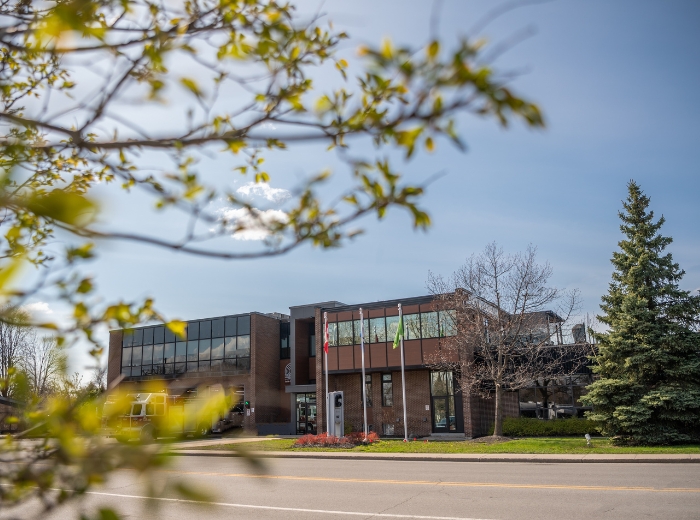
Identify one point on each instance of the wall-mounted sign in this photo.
(288, 373)
(427, 407)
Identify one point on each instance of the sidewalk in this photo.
(456, 457)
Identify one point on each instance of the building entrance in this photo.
(306, 413)
(445, 405)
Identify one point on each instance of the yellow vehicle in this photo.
(157, 414)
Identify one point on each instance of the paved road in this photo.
(347, 489)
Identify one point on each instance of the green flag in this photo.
(399, 333)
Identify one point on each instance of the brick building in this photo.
(240, 352)
(275, 362)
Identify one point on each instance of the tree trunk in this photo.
(498, 414)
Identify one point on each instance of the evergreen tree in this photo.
(649, 359)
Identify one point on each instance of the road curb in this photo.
(427, 457)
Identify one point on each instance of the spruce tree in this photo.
(649, 358)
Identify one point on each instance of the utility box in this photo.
(336, 413)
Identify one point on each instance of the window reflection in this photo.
(429, 325)
(333, 334)
(217, 328)
(147, 357)
(169, 352)
(448, 323)
(392, 325)
(345, 333)
(217, 348)
(377, 330)
(243, 325)
(126, 357)
(204, 349)
(157, 353)
(192, 351)
(180, 352)
(411, 326)
(230, 347)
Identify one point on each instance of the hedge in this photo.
(528, 427)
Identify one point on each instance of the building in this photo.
(241, 352)
(275, 362)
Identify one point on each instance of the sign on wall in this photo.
(288, 373)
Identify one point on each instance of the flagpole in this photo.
(325, 350)
(403, 381)
(364, 384)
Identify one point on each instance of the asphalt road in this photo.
(347, 489)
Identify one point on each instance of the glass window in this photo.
(216, 364)
(243, 363)
(312, 345)
(169, 335)
(204, 366)
(368, 389)
(169, 352)
(136, 356)
(192, 351)
(332, 335)
(126, 357)
(377, 330)
(243, 325)
(127, 338)
(441, 384)
(168, 369)
(345, 333)
(392, 325)
(448, 323)
(180, 352)
(356, 332)
(205, 329)
(138, 337)
(193, 330)
(411, 326)
(429, 324)
(179, 368)
(146, 370)
(229, 364)
(243, 343)
(126, 371)
(136, 371)
(387, 390)
(192, 366)
(158, 335)
(230, 347)
(230, 326)
(204, 349)
(147, 357)
(217, 348)
(217, 328)
(148, 336)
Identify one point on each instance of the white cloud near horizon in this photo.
(262, 190)
(38, 308)
(255, 226)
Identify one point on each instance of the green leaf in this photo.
(63, 206)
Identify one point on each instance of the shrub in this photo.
(528, 427)
(324, 440)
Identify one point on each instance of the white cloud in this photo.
(262, 190)
(38, 308)
(255, 226)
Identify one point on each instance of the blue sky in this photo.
(618, 84)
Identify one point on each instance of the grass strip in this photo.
(551, 445)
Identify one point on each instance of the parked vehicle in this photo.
(153, 415)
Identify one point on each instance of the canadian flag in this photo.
(325, 335)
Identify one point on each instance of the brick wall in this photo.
(114, 356)
(483, 410)
(265, 369)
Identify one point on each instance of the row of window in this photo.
(213, 365)
(378, 330)
(187, 351)
(387, 390)
(204, 329)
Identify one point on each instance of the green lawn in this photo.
(531, 445)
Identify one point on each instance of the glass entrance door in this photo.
(446, 416)
(306, 413)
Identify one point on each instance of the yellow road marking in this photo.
(437, 482)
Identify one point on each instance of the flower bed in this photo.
(330, 441)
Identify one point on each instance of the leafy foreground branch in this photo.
(132, 96)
